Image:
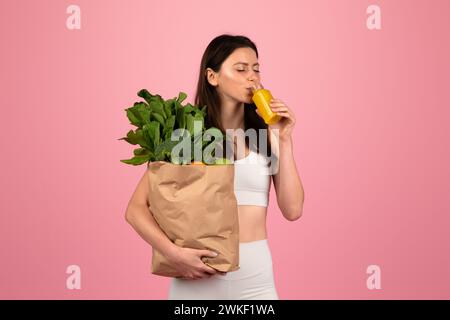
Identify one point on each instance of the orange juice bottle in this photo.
(261, 98)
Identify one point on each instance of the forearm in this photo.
(290, 193)
(143, 222)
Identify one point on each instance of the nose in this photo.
(254, 80)
(254, 76)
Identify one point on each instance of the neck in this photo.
(232, 115)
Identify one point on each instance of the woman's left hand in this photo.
(286, 124)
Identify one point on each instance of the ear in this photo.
(211, 77)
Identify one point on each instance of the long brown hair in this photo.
(215, 54)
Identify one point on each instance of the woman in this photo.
(228, 70)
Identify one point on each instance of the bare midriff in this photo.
(252, 223)
(252, 219)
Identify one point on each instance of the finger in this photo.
(278, 105)
(284, 114)
(201, 275)
(208, 269)
(279, 109)
(285, 110)
(207, 253)
(276, 102)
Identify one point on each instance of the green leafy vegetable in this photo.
(156, 119)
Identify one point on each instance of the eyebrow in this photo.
(245, 63)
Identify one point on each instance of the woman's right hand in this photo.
(187, 261)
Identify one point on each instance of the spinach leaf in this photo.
(156, 119)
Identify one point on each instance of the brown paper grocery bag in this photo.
(196, 207)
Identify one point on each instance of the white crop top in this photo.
(252, 180)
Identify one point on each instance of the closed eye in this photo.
(244, 70)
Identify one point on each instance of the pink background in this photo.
(371, 142)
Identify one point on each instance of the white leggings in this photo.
(254, 279)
